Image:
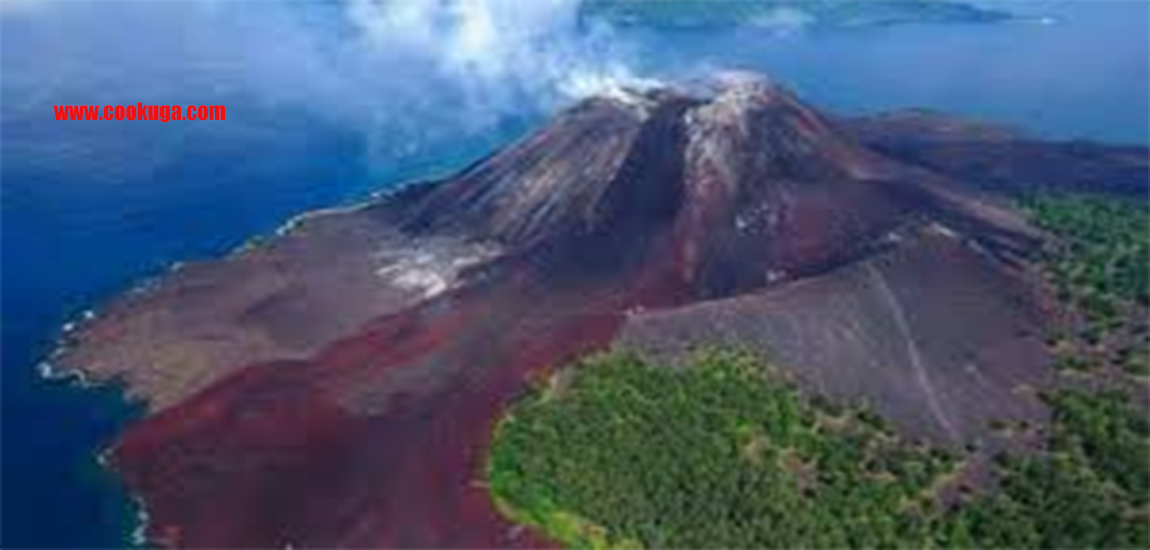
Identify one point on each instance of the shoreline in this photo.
(48, 370)
(138, 530)
(77, 378)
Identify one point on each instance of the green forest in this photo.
(1105, 256)
(621, 451)
(722, 454)
(1100, 269)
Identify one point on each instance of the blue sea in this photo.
(326, 105)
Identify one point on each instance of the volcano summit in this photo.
(337, 384)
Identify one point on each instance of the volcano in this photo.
(336, 385)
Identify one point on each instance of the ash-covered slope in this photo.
(609, 164)
(336, 386)
(1003, 160)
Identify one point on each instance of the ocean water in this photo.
(1073, 69)
(318, 117)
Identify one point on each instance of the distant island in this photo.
(785, 14)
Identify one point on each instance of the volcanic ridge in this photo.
(337, 385)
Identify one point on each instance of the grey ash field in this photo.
(338, 384)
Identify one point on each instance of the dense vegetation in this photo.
(1106, 250)
(1089, 490)
(1101, 270)
(627, 453)
(623, 452)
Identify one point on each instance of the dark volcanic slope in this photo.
(997, 159)
(337, 385)
(930, 333)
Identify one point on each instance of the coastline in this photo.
(49, 371)
(137, 534)
(76, 378)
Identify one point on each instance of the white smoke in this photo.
(502, 48)
(498, 53)
(493, 60)
(409, 76)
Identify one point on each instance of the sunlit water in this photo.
(316, 117)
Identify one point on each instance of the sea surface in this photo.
(319, 116)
